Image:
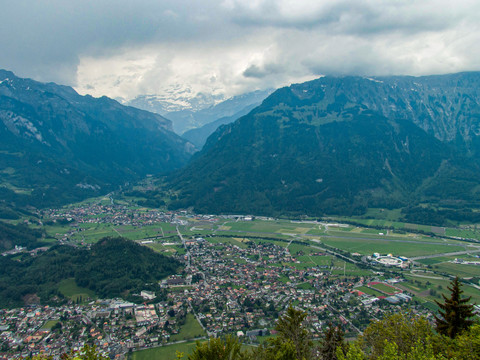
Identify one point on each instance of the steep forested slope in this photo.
(339, 145)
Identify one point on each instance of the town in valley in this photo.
(239, 273)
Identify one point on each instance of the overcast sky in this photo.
(123, 48)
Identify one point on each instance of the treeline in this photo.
(440, 217)
(114, 267)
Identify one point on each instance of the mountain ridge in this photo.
(323, 129)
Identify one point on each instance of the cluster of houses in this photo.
(228, 288)
(115, 327)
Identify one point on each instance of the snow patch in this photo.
(374, 80)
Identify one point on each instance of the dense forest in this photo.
(113, 267)
(341, 145)
(22, 235)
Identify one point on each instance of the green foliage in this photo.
(332, 342)
(331, 147)
(455, 312)
(111, 268)
(213, 349)
(276, 350)
(292, 341)
(11, 235)
(85, 353)
(115, 265)
(406, 331)
(466, 346)
(397, 337)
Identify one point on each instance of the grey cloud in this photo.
(39, 38)
(256, 44)
(353, 16)
(255, 71)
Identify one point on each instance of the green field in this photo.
(369, 291)
(166, 250)
(419, 284)
(406, 248)
(228, 240)
(305, 286)
(294, 249)
(471, 233)
(163, 352)
(268, 227)
(70, 289)
(384, 288)
(190, 330)
(459, 270)
(49, 324)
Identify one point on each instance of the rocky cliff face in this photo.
(445, 105)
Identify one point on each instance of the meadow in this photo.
(167, 352)
(190, 330)
(71, 290)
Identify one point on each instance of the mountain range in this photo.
(338, 145)
(335, 145)
(189, 111)
(58, 146)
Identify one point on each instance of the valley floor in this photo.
(239, 275)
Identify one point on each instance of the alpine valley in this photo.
(115, 232)
(58, 147)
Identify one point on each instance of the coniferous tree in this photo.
(228, 348)
(333, 338)
(290, 327)
(455, 312)
(292, 341)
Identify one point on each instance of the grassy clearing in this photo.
(294, 249)
(190, 330)
(321, 260)
(70, 289)
(228, 240)
(316, 231)
(384, 288)
(369, 291)
(166, 250)
(305, 286)
(278, 226)
(434, 261)
(163, 352)
(52, 230)
(366, 234)
(49, 324)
